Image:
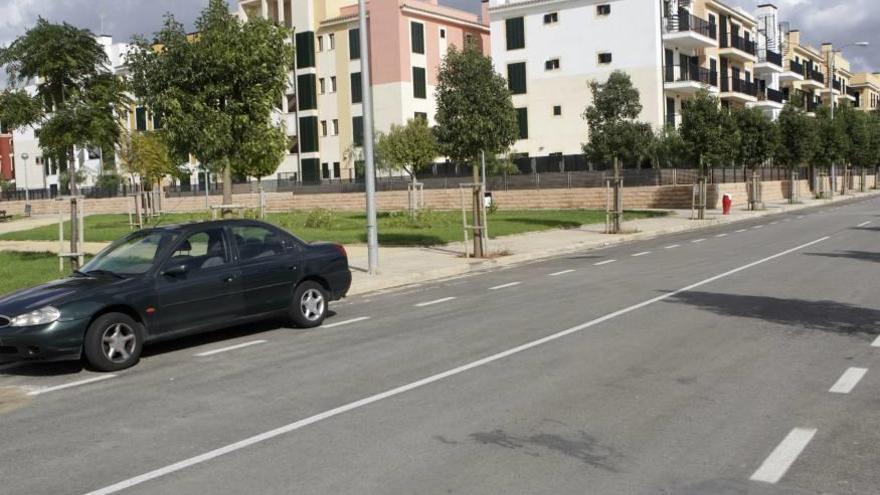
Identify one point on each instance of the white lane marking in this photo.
(697, 240)
(563, 272)
(504, 286)
(346, 322)
(721, 235)
(773, 223)
(863, 224)
(758, 227)
(800, 216)
(641, 254)
(848, 381)
(56, 388)
(604, 262)
(262, 437)
(435, 301)
(230, 348)
(673, 246)
(741, 230)
(784, 455)
(876, 342)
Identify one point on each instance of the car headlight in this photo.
(40, 316)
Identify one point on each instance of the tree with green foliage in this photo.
(410, 148)
(216, 91)
(797, 137)
(475, 115)
(758, 137)
(145, 155)
(831, 144)
(614, 133)
(670, 150)
(702, 129)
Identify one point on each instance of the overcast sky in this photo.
(818, 20)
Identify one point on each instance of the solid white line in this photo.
(741, 230)
(641, 254)
(504, 286)
(673, 246)
(71, 385)
(346, 322)
(876, 342)
(863, 224)
(604, 262)
(435, 301)
(721, 235)
(784, 455)
(563, 272)
(230, 348)
(262, 437)
(848, 381)
(697, 240)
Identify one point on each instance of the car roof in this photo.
(187, 226)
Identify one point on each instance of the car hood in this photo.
(53, 293)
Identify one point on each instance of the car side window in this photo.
(201, 250)
(255, 242)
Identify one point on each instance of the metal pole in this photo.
(369, 166)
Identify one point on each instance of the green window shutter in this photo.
(354, 44)
(417, 31)
(305, 49)
(356, 89)
(357, 127)
(420, 89)
(140, 118)
(157, 122)
(516, 33)
(516, 78)
(308, 134)
(522, 122)
(308, 98)
(311, 170)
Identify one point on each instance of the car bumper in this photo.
(58, 341)
(340, 283)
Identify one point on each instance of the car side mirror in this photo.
(175, 270)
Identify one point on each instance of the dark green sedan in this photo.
(166, 282)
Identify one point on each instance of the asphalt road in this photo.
(734, 360)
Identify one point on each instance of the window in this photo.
(604, 9)
(323, 128)
(332, 39)
(522, 122)
(336, 171)
(419, 83)
(551, 18)
(417, 36)
(157, 122)
(421, 115)
(332, 84)
(322, 86)
(305, 49)
(605, 58)
(356, 90)
(201, 251)
(443, 33)
(516, 78)
(291, 102)
(311, 171)
(551, 64)
(140, 118)
(557, 110)
(357, 128)
(132, 256)
(308, 134)
(255, 242)
(354, 44)
(516, 33)
(320, 43)
(308, 100)
(325, 170)
(335, 127)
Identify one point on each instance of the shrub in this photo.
(320, 218)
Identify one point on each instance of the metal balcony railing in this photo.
(738, 42)
(816, 76)
(684, 21)
(770, 94)
(769, 56)
(796, 67)
(836, 85)
(741, 86)
(689, 73)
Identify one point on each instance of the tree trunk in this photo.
(74, 214)
(477, 214)
(227, 189)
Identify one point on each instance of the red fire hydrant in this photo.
(726, 202)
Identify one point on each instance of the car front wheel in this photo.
(113, 342)
(309, 307)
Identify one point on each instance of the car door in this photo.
(268, 267)
(207, 292)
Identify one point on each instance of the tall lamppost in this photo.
(369, 165)
(27, 192)
(833, 75)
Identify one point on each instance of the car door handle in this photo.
(291, 268)
(229, 278)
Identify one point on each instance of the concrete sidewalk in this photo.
(400, 266)
(28, 223)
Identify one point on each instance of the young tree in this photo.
(797, 137)
(670, 150)
(475, 114)
(411, 147)
(615, 135)
(702, 129)
(757, 137)
(216, 91)
(146, 155)
(830, 139)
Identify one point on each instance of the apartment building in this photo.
(322, 111)
(864, 87)
(804, 79)
(836, 83)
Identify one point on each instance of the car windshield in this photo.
(133, 255)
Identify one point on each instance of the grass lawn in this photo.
(395, 229)
(19, 270)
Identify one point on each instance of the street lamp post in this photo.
(832, 76)
(369, 165)
(27, 192)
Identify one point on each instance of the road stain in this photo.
(582, 446)
(12, 398)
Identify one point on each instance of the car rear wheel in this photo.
(309, 306)
(113, 342)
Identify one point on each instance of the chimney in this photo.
(484, 12)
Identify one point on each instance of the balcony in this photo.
(739, 90)
(738, 48)
(792, 71)
(769, 62)
(770, 99)
(813, 79)
(689, 79)
(687, 31)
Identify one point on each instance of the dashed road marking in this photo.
(231, 348)
(697, 240)
(673, 246)
(435, 301)
(758, 227)
(604, 262)
(641, 254)
(504, 286)
(56, 388)
(741, 231)
(563, 272)
(773, 223)
(863, 224)
(848, 381)
(784, 455)
(346, 322)
(721, 235)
